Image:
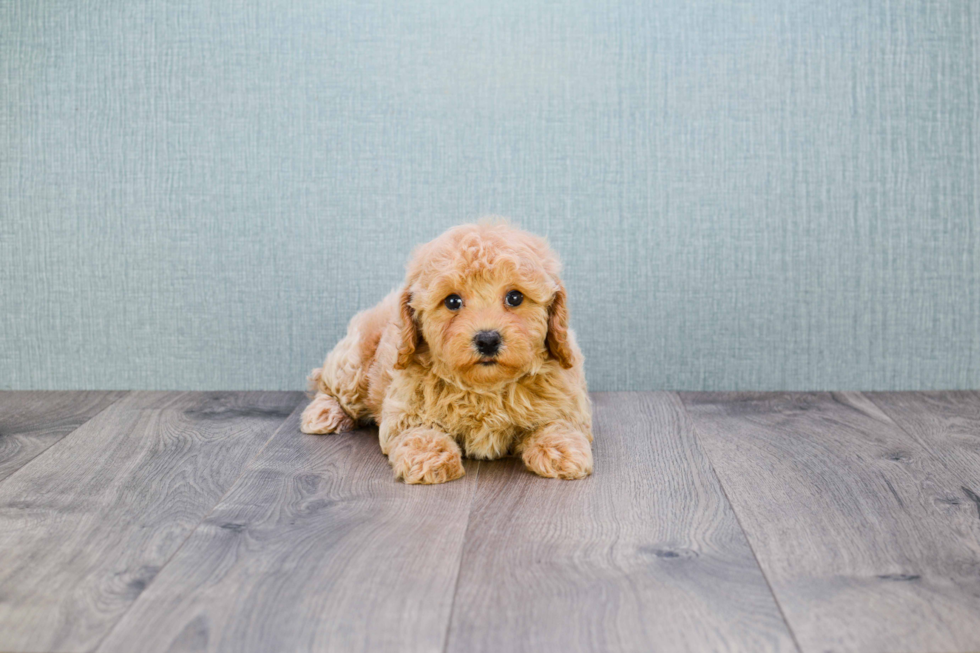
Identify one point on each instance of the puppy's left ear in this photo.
(409, 331)
(557, 340)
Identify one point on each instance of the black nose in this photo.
(487, 342)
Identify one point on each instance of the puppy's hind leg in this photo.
(324, 415)
(342, 384)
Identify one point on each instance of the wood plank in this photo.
(850, 520)
(315, 548)
(32, 421)
(86, 526)
(646, 554)
(948, 425)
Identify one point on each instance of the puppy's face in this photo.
(487, 302)
(485, 330)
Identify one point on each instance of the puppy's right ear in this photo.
(409, 331)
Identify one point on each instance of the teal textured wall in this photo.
(755, 194)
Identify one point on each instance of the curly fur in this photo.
(409, 364)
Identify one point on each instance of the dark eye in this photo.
(454, 302)
(514, 298)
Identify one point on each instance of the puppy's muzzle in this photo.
(487, 343)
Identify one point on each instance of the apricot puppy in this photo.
(472, 355)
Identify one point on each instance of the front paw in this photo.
(426, 456)
(559, 454)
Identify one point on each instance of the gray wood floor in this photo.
(156, 521)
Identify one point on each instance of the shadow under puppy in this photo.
(472, 355)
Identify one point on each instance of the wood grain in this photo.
(172, 522)
(948, 425)
(646, 554)
(85, 527)
(315, 548)
(32, 421)
(850, 518)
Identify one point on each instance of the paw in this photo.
(324, 415)
(426, 457)
(559, 455)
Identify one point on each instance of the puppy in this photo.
(471, 356)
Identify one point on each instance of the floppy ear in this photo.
(557, 339)
(409, 331)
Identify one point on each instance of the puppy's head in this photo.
(487, 304)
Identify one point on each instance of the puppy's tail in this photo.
(313, 382)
